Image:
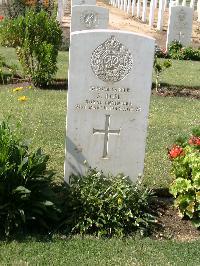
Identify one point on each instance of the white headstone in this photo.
(122, 4)
(144, 10)
(138, 8)
(133, 7)
(60, 11)
(110, 76)
(192, 2)
(118, 3)
(83, 2)
(125, 5)
(128, 6)
(151, 13)
(160, 14)
(180, 25)
(89, 17)
(184, 3)
(198, 10)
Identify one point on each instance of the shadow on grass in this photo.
(166, 89)
(57, 85)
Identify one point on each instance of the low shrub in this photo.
(177, 51)
(185, 159)
(109, 205)
(36, 38)
(26, 196)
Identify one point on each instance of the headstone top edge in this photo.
(180, 6)
(86, 6)
(91, 32)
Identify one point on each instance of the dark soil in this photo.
(172, 225)
(175, 91)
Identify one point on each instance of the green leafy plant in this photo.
(109, 205)
(177, 51)
(36, 38)
(185, 158)
(26, 196)
(159, 68)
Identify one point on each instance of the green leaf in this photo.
(179, 186)
(196, 223)
(21, 190)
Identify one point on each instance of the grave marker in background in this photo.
(83, 2)
(180, 25)
(110, 77)
(89, 17)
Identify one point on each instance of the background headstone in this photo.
(160, 14)
(110, 77)
(83, 2)
(180, 25)
(88, 17)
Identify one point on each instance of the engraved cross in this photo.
(106, 133)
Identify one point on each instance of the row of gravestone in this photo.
(109, 87)
(134, 7)
(89, 16)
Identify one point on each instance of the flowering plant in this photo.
(185, 158)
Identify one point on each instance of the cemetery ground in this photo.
(119, 19)
(42, 118)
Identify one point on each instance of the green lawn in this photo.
(11, 58)
(43, 122)
(43, 119)
(91, 251)
(182, 73)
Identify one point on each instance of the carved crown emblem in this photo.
(111, 61)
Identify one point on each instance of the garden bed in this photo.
(172, 225)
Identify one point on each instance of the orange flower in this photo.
(1, 18)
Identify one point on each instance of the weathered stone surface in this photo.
(83, 2)
(110, 77)
(180, 25)
(89, 17)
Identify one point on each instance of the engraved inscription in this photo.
(108, 99)
(89, 19)
(107, 131)
(181, 24)
(111, 61)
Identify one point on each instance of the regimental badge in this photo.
(111, 61)
(89, 19)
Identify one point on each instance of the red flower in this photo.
(194, 141)
(1, 18)
(175, 152)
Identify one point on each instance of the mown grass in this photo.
(43, 119)
(10, 55)
(182, 73)
(91, 251)
(43, 122)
